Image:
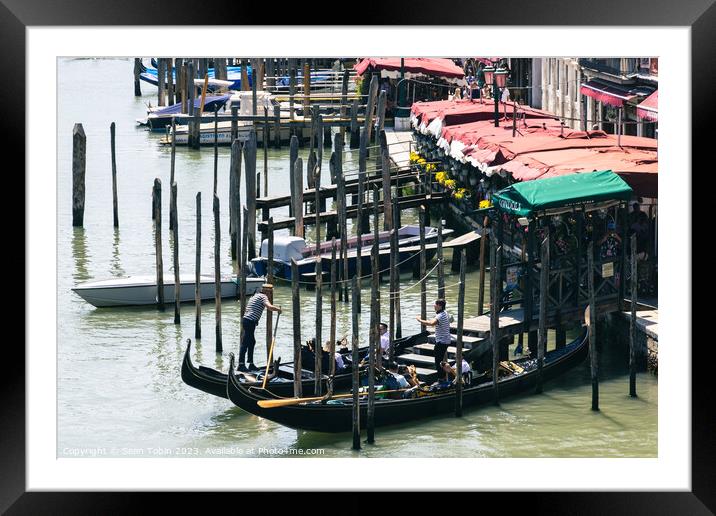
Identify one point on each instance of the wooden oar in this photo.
(295, 401)
(270, 355)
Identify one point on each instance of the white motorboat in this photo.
(142, 290)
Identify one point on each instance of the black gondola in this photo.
(337, 415)
(281, 383)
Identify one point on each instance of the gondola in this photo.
(281, 384)
(336, 415)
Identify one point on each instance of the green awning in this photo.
(524, 199)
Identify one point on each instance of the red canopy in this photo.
(606, 93)
(649, 108)
(426, 65)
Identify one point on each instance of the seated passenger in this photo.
(451, 371)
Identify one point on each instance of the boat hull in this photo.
(146, 293)
(338, 417)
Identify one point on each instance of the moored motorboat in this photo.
(142, 290)
(336, 415)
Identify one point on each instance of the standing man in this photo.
(254, 311)
(442, 334)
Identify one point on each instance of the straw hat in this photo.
(267, 285)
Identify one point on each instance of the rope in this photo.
(419, 282)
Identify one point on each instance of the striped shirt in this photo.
(255, 306)
(442, 330)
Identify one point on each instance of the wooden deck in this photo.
(399, 145)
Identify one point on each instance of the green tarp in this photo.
(524, 199)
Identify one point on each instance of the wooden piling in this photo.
(297, 388)
(115, 212)
(317, 185)
(79, 160)
(460, 329)
(423, 267)
(379, 118)
(344, 101)
(137, 72)
(216, 147)
(355, 129)
(318, 351)
(333, 305)
(250, 164)
(494, 319)
(306, 87)
(292, 157)
(441, 264)
(197, 271)
(244, 75)
(177, 282)
(374, 341)
(235, 201)
(172, 205)
(157, 202)
(396, 294)
(161, 81)
(542, 331)
(170, 82)
(254, 86)
(632, 320)
(355, 358)
(244, 262)
(387, 205)
(265, 148)
(183, 81)
(277, 125)
(217, 272)
(593, 358)
(343, 219)
(298, 198)
(269, 280)
(291, 92)
(483, 241)
(368, 121)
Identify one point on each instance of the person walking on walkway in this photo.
(442, 334)
(254, 311)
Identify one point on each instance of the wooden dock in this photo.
(400, 143)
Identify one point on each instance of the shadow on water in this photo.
(80, 254)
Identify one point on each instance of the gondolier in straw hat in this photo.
(254, 310)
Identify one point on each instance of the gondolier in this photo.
(254, 311)
(442, 334)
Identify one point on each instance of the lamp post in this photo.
(402, 110)
(497, 79)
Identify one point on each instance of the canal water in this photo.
(119, 385)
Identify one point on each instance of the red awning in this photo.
(426, 65)
(648, 109)
(606, 93)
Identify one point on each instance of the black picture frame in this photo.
(699, 15)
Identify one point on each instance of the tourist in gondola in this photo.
(254, 311)
(442, 334)
(451, 370)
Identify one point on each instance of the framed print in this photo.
(149, 397)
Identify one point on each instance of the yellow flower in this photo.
(450, 183)
(441, 177)
(485, 204)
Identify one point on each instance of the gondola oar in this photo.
(270, 355)
(295, 401)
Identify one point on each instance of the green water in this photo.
(119, 386)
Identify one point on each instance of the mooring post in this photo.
(593, 358)
(460, 329)
(298, 198)
(157, 203)
(161, 78)
(374, 341)
(115, 212)
(79, 160)
(359, 236)
(319, 328)
(344, 101)
(235, 201)
(391, 291)
(494, 320)
(483, 242)
(177, 282)
(355, 130)
(291, 95)
(217, 272)
(254, 86)
(423, 267)
(394, 249)
(244, 75)
(250, 161)
(269, 280)
(244, 263)
(183, 81)
(441, 265)
(172, 204)
(632, 320)
(292, 157)
(333, 304)
(372, 93)
(306, 87)
(542, 331)
(265, 147)
(387, 205)
(356, 372)
(277, 125)
(297, 387)
(170, 81)
(197, 271)
(137, 72)
(380, 134)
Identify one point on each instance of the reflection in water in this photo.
(116, 266)
(80, 254)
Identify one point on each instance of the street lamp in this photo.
(497, 79)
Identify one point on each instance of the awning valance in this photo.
(649, 108)
(606, 93)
